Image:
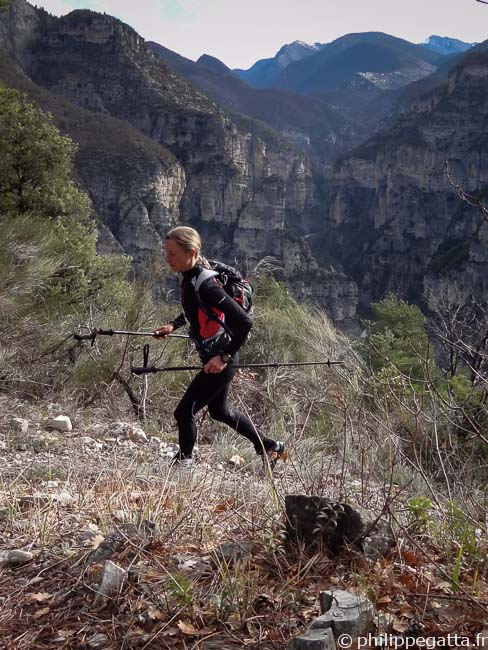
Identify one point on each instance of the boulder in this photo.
(317, 522)
(343, 614)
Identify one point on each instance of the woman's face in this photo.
(179, 260)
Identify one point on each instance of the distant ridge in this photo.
(214, 65)
(446, 45)
(265, 71)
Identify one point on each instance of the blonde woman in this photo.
(218, 327)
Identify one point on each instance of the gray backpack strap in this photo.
(205, 274)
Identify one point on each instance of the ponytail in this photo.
(203, 261)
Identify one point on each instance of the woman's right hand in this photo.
(162, 332)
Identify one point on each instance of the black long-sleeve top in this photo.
(212, 295)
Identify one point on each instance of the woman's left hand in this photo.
(214, 366)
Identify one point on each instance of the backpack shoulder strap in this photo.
(205, 274)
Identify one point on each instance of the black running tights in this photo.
(212, 390)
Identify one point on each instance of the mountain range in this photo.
(308, 122)
(321, 68)
(335, 170)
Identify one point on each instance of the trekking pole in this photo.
(153, 369)
(99, 332)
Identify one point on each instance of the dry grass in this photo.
(121, 483)
(60, 496)
(181, 592)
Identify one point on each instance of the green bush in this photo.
(48, 239)
(51, 276)
(396, 334)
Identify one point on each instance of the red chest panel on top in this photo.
(208, 326)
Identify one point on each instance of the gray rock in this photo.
(63, 498)
(86, 440)
(16, 557)
(313, 640)
(191, 563)
(136, 434)
(377, 545)
(345, 613)
(60, 423)
(113, 580)
(125, 430)
(88, 534)
(482, 638)
(98, 641)
(379, 535)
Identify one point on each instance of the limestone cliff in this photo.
(241, 188)
(135, 185)
(395, 223)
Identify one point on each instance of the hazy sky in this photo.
(239, 32)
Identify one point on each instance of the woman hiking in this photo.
(217, 338)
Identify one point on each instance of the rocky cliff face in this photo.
(395, 222)
(100, 64)
(138, 199)
(135, 185)
(19, 30)
(307, 122)
(240, 189)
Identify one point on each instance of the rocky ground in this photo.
(102, 546)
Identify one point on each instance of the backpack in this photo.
(234, 285)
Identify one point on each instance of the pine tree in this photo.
(397, 334)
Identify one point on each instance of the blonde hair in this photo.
(189, 240)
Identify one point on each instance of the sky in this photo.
(240, 32)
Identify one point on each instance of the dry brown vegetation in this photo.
(74, 503)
